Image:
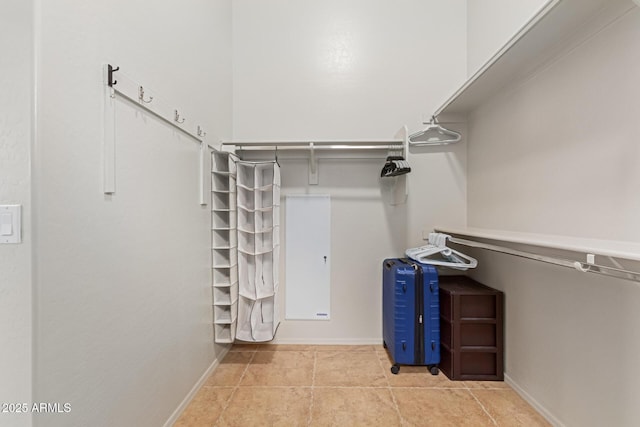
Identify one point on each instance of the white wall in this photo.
(570, 137)
(491, 23)
(559, 155)
(16, 45)
(571, 339)
(354, 70)
(123, 296)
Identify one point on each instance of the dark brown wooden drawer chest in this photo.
(471, 330)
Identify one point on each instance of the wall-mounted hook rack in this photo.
(135, 92)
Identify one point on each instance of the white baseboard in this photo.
(194, 390)
(328, 341)
(533, 402)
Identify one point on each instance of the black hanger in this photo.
(395, 166)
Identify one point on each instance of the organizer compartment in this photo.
(263, 221)
(247, 275)
(225, 276)
(222, 201)
(224, 239)
(264, 174)
(220, 182)
(225, 313)
(246, 175)
(246, 199)
(220, 162)
(257, 320)
(225, 295)
(224, 332)
(225, 257)
(264, 199)
(223, 220)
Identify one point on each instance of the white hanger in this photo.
(438, 245)
(434, 134)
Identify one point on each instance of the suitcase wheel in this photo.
(433, 369)
(395, 369)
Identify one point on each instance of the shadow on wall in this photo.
(394, 196)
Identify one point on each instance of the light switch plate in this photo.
(10, 224)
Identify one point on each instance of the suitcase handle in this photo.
(389, 264)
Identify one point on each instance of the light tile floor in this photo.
(303, 385)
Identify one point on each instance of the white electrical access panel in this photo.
(308, 261)
(10, 223)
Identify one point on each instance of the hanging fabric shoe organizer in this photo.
(258, 192)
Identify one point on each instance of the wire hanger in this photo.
(434, 134)
(438, 245)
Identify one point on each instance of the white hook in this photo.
(201, 133)
(312, 158)
(141, 96)
(176, 117)
(580, 267)
(313, 165)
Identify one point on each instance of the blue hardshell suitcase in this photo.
(411, 313)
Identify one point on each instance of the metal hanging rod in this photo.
(399, 144)
(353, 145)
(319, 147)
(395, 144)
(585, 267)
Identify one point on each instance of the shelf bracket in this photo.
(400, 191)
(313, 165)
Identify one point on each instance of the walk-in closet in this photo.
(202, 204)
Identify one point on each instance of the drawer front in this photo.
(471, 365)
(478, 334)
(456, 335)
(478, 306)
(478, 363)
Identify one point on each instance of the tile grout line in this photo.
(353, 386)
(235, 388)
(482, 406)
(393, 396)
(313, 384)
